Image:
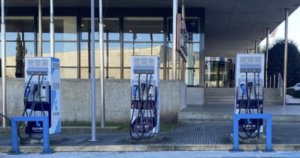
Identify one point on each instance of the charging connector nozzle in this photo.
(143, 86)
(150, 90)
(243, 87)
(27, 92)
(35, 89)
(135, 87)
(250, 86)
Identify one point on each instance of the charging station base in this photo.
(156, 139)
(255, 140)
(38, 139)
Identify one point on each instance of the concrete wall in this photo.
(76, 99)
(195, 95)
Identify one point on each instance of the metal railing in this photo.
(275, 81)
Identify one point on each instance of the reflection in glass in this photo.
(192, 62)
(65, 51)
(85, 53)
(113, 73)
(127, 73)
(18, 30)
(24, 26)
(192, 26)
(65, 28)
(68, 72)
(217, 74)
(10, 72)
(111, 29)
(112, 58)
(144, 29)
(192, 76)
(128, 52)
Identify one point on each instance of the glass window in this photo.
(24, 26)
(84, 73)
(161, 74)
(11, 72)
(193, 55)
(114, 55)
(110, 25)
(192, 27)
(68, 72)
(127, 73)
(86, 29)
(113, 73)
(128, 52)
(19, 36)
(85, 54)
(65, 51)
(17, 50)
(144, 29)
(65, 28)
(12, 50)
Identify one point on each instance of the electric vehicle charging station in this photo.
(145, 105)
(42, 95)
(249, 83)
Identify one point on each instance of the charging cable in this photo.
(146, 109)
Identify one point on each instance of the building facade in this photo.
(216, 29)
(127, 32)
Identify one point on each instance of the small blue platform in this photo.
(14, 133)
(237, 117)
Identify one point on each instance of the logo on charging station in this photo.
(56, 105)
(56, 108)
(38, 124)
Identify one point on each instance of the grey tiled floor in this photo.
(272, 109)
(183, 134)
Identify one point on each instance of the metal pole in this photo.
(274, 81)
(255, 46)
(183, 62)
(93, 101)
(183, 10)
(3, 62)
(51, 30)
(270, 86)
(174, 52)
(267, 57)
(278, 80)
(40, 29)
(102, 101)
(285, 57)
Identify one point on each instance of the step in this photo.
(219, 93)
(219, 100)
(216, 103)
(219, 90)
(216, 97)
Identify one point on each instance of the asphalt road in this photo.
(163, 154)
